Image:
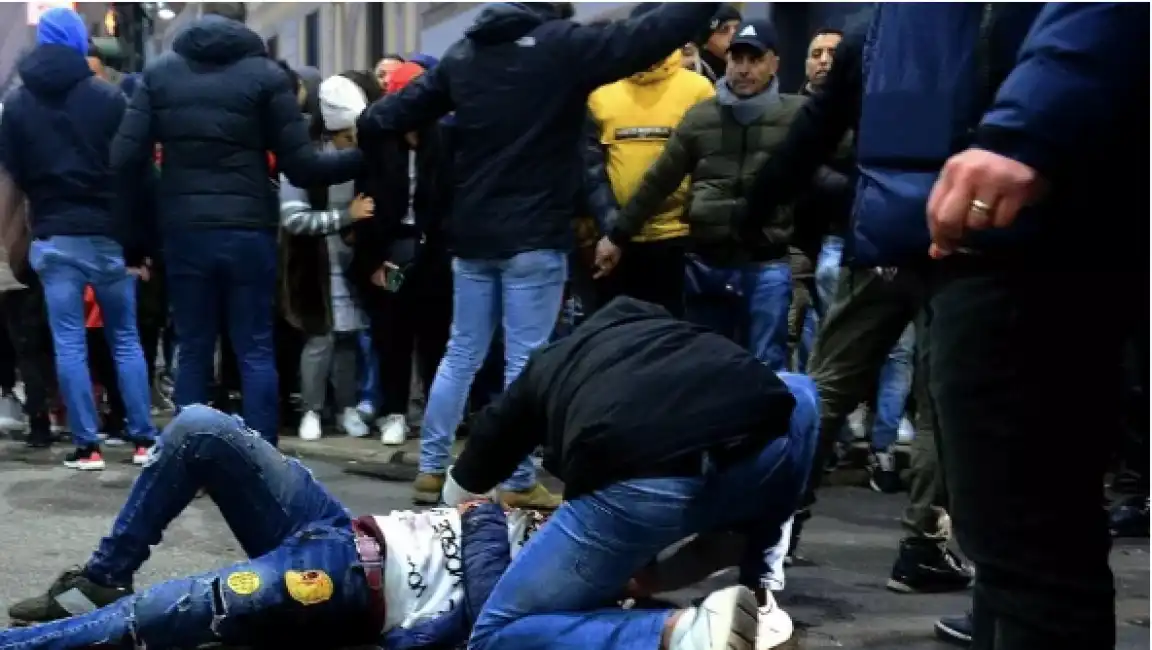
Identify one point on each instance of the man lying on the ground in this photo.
(659, 429)
(319, 578)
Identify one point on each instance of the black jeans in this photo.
(1025, 437)
(27, 320)
(414, 320)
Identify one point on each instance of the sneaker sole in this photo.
(945, 633)
(85, 467)
(734, 618)
(899, 587)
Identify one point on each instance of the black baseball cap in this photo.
(759, 35)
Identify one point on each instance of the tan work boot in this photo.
(535, 498)
(426, 489)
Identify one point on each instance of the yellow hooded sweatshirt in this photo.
(636, 116)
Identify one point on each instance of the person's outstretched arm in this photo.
(603, 53)
(422, 102)
(676, 161)
(287, 131)
(500, 436)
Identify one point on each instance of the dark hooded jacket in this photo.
(217, 104)
(518, 82)
(54, 142)
(631, 393)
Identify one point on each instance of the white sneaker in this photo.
(857, 423)
(310, 426)
(726, 620)
(393, 429)
(773, 626)
(905, 433)
(351, 423)
(11, 414)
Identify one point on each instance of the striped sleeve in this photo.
(299, 218)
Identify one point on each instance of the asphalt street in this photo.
(52, 517)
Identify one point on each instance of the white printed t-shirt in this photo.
(424, 566)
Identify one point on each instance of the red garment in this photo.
(403, 75)
(92, 317)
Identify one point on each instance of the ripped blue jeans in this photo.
(285, 521)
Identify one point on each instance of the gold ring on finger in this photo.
(980, 206)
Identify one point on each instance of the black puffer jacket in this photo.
(218, 105)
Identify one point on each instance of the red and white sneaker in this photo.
(85, 459)
(142, 454)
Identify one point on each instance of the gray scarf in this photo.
(747, 110)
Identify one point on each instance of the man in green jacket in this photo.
(736, 284)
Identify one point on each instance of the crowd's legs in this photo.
(27, 320)
(523, 292)
(412, 323)
(332, 356)
(234, 271)
(1005, 400)
(66, 265)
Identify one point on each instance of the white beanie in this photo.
(341, 102)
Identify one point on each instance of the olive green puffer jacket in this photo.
(722, 158)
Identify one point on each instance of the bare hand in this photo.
(978, 190)
(362, 207)
(380, 277)
(140, 272)
(607, 257)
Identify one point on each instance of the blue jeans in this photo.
(368, 382)
(549, 598)
(896, 375)
(234, 271)
(281, 516)
(523, 293)
(66, 265)
(756, 311)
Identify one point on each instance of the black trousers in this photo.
(649, 271)
(26, 316)
(1025, 438)
(411, 322)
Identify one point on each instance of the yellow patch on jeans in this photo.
(244, 583)
(308, 587)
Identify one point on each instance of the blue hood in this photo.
(63, 26)
(53, 69)
(508, 21)
(214, 39)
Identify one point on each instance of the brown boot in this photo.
(426, 489)
(535, 498)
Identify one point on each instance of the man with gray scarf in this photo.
(738, 285)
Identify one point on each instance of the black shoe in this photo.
(955, 629)
(85, 459)
(39, 432)
(882, 474)
(793, 556)
(927, 566)
(72, 593)
(1129, 518)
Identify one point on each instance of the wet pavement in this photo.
(52, 518)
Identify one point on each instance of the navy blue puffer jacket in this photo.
(217, 104)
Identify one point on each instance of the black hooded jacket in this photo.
(217, 105)
(518, 83)
(631, 393)
(54, 142)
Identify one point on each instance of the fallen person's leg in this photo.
(550, 595)
(300, 583)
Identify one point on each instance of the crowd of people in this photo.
(621, 246)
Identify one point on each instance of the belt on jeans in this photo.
(371, 551)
